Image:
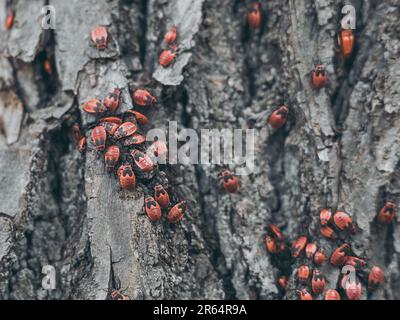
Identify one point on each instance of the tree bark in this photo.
(339, 149)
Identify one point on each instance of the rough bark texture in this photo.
(340, 147)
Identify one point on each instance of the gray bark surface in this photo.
(339, 149)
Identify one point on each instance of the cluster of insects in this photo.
(119, 139)
(123, 145)
(338, 225)
(168, 54)
(333, 226)
(229, 181)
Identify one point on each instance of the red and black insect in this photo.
(278, 118)
(276, 232)
(339, 256)
(305, 295)
(332, 294)
(47, 67)
(143, 98)
(328, 232)
(342, 220)
(229, 181)
(82, 144)
(140, 118)
(311, 249)
(99, 137)
(111, 157)
(76, 132)
(176, 213)
(319, 76)
(346, 42)
(325, 216)
(388, 213)
(127, 178)
(375, 278)
(170, 36)
(168, 56)
(270, 245)
(298, 246)
(282, 281)
(9, 19)
(161, 196)
(118, 295)
(94, 106)
(79, 139)
(153, 209)
(99, 36)
(320, 257)
(254, 15)
(303, 273)
(110, 127)
(125, 130)
(134, 139)
(111, 102)
(355, 262)
(353, 289)
(318, 282)
(142, 160)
